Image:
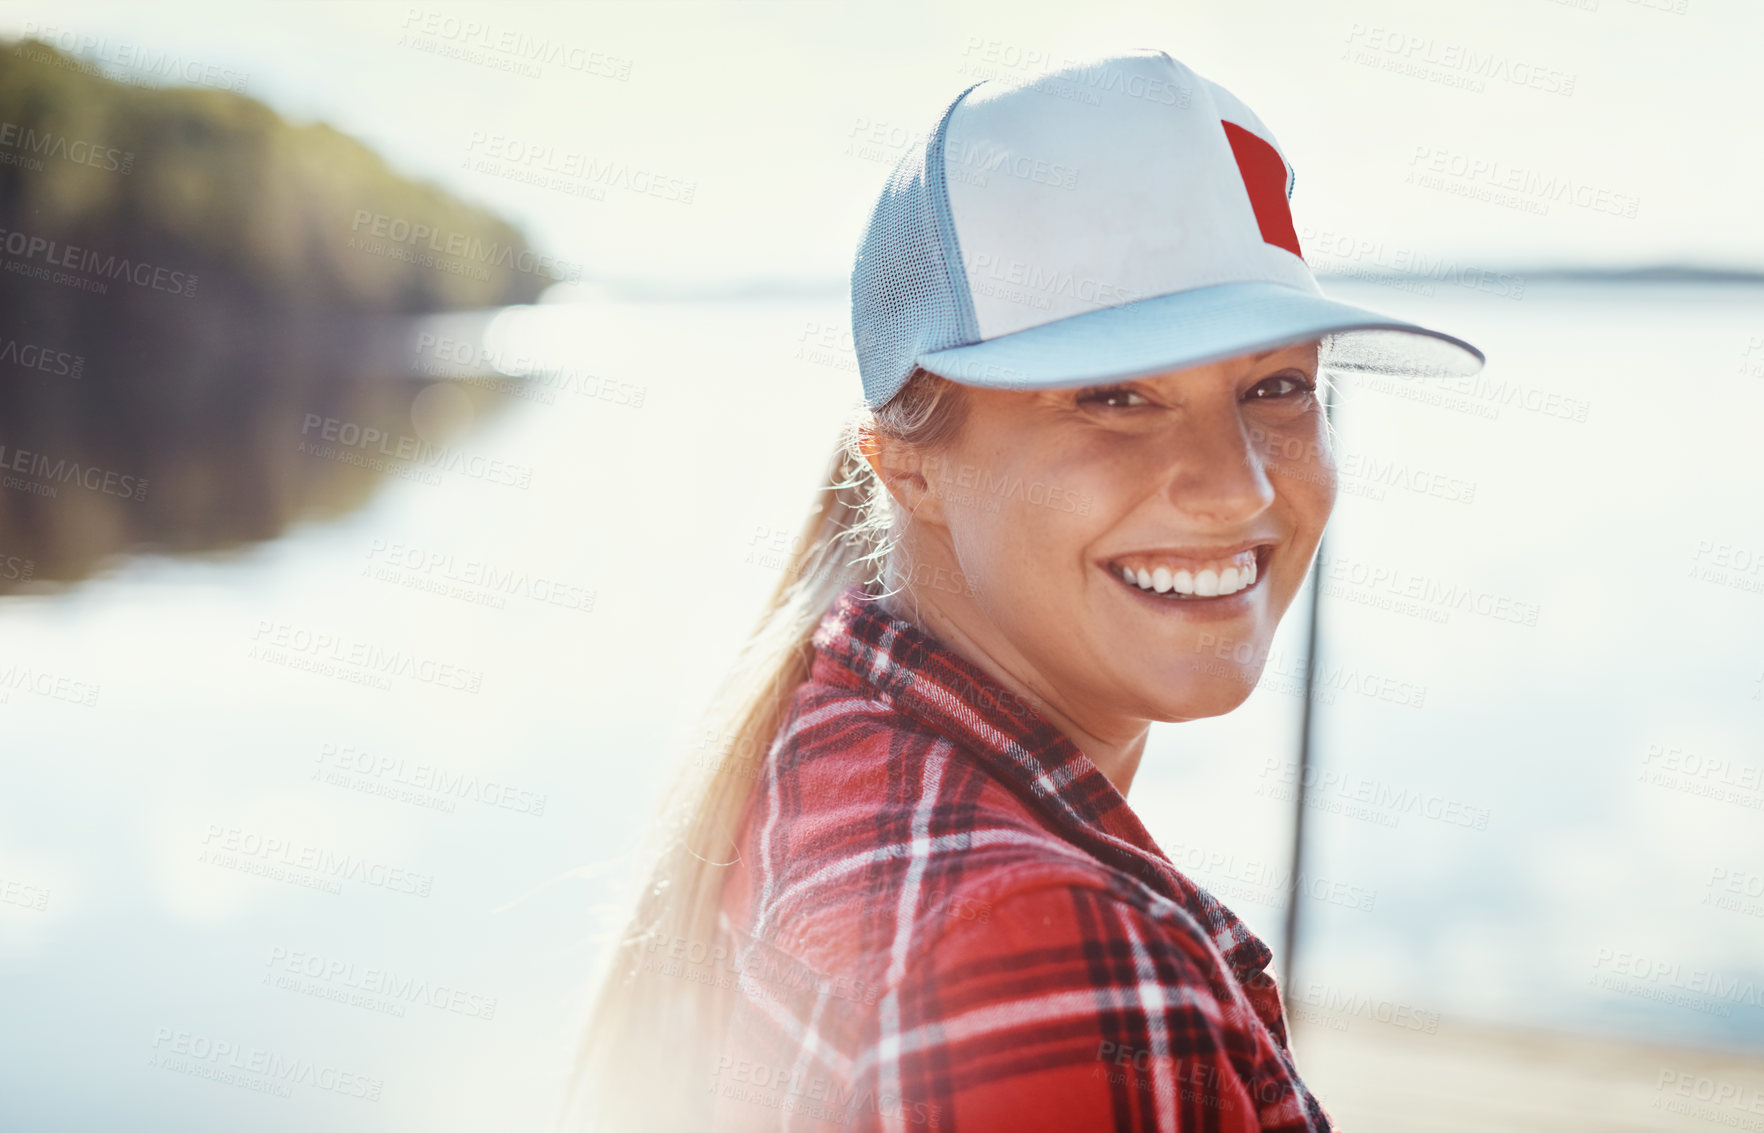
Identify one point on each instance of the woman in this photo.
(906, 889)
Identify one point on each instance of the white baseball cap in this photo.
(1115, 218)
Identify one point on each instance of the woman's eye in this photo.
(1114, 397)
(1295, 385)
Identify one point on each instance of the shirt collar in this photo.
(925, 678)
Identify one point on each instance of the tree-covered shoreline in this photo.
(185, 279)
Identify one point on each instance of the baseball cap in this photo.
(1116, 217)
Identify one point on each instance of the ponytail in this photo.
(652, 1037)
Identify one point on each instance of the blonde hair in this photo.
(646, 1054)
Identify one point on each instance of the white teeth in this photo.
(1229, 577)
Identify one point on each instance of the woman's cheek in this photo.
(1301, 463)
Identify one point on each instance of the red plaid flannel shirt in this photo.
(943, 916)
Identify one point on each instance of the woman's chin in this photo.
(1198, 700)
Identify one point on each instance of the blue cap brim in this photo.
(1195, 327)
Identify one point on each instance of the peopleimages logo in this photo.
(31, 356)
(349, 439)
(253, 1067)
(122, 61)
(396, 772)
(988, 274)
(459, 245)
(522, 51)
(39, 474)
(79, 151)
(233, 847)
(570, 170)
(54, 254)
(345, 980)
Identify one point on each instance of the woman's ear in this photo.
(902, 469)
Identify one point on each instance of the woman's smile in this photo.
(1207, 585)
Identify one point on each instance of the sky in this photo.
(1511, 133)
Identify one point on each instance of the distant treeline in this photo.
(186, 282)
(213, 184)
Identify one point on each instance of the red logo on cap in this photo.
(1264, 175)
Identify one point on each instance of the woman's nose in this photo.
(1220, 473)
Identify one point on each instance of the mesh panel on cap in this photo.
(908, 292)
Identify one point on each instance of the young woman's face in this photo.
(1211, 484)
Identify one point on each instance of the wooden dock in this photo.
(1462, 1078)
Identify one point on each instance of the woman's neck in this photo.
(1116, 754)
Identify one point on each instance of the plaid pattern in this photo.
(943, 916)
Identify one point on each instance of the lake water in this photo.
(355, 802)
